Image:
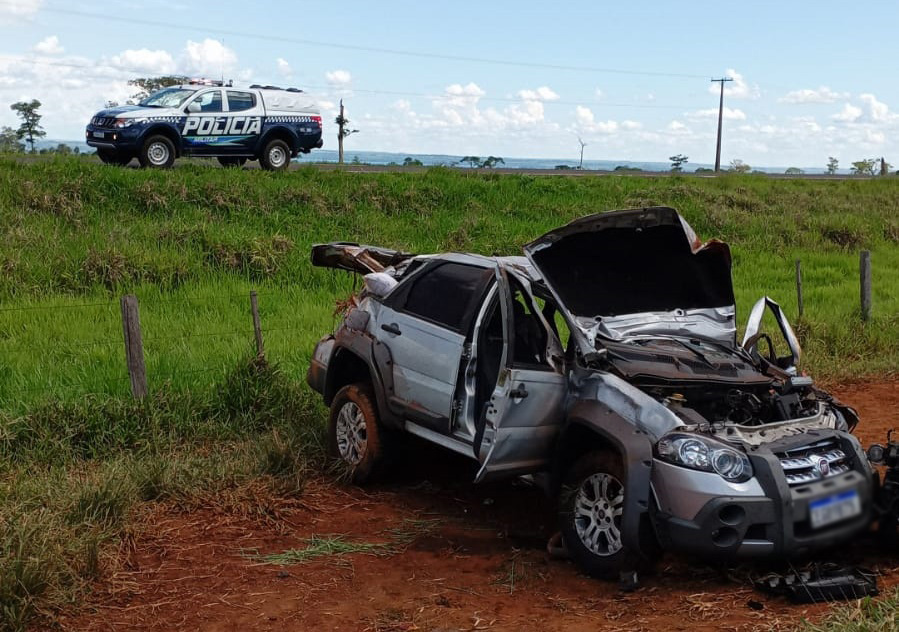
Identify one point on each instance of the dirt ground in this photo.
(453, 557)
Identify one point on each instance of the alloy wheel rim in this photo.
(352, 433)
(158, 153)
(598, 506)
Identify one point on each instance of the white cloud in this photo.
(586, 122)
(14, 10)
(49, 46)
(598, 93)
(543, 93)
(677, 127)
(729, 114)
(821, 95)
(736, 89)
(284, 68)
(144, 60)
(631, 125)
(339, 77)
(878, 110)
(584, 115)
(849, 114)
(208, 58)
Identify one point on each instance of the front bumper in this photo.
(123, 140)
(775, 522)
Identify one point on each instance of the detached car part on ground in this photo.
(650, 425)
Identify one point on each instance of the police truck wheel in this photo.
(275, 156)
(158, 152)
(112, 157)
(231, 161)
(354, 434)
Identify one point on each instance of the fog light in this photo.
(725, 537)
(732, 514)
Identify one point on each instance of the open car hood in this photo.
(637, 272)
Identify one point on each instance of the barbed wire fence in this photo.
(130, 350)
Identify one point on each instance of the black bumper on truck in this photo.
(778, 524)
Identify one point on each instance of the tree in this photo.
(342, 131)
(794, 171)
(31, 121)
(148, 85)
(677, 162)
(738, 166)
(885, 167)
(473, 161)
(9, 140)
(63, 149)
(491, 161)
(412, 162)
(863, 167)
(832, 165)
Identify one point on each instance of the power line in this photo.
(397, 93)
(367, 49)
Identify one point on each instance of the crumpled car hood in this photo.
(638, 271)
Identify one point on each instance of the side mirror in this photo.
(193, 106)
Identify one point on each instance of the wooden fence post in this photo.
(865, 283)
(257, 326)
(134, 346)
(799, 287)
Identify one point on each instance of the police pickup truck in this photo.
(209, 119)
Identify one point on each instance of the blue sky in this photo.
(812, 79)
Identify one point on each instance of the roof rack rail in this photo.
(294, 90)
(209, 82)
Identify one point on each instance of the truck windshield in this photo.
(168, 98)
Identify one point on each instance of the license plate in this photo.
(99, 134)
(834, 509)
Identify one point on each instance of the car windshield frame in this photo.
(168, 97)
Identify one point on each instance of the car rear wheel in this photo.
(354, 434)
(158, 152)
(275, 156)
(591, 507)
(232, 161)
(112, 157)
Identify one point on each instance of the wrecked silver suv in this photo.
(605, 363)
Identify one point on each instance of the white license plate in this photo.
(99, 134)
(834, 509)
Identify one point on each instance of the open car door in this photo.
(515, 430)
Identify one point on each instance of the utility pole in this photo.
(341, 120)
(583, 144)
(720, 119)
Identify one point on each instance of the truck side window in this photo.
(240, 101)
(210, 101)
(448, 294)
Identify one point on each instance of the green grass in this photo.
(77, 455)
(865, 615)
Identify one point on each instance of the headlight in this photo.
(128, 122)
(704, 454)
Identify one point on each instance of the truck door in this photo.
(517, 428)
(205, 124)
(245, 114)
(424, 324)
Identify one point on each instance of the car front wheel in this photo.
(591, 507)
(157, 151)
(354, 436)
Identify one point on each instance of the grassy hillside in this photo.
(76, 455)
(192, 242)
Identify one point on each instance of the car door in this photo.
(245, 112)
(424, 324)
(205, 124)
(517, 428)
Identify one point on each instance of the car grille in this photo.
(814, 462)
(103, 121)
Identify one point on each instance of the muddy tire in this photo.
(157, 152)
(354, 432)
(591, 505)
(275, 156)
(232, 161)
(112, 157)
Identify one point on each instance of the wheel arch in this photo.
(358, 362)
(594, 426)
(163, 130)
(279, 132)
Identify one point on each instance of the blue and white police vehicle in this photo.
(209, 119)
